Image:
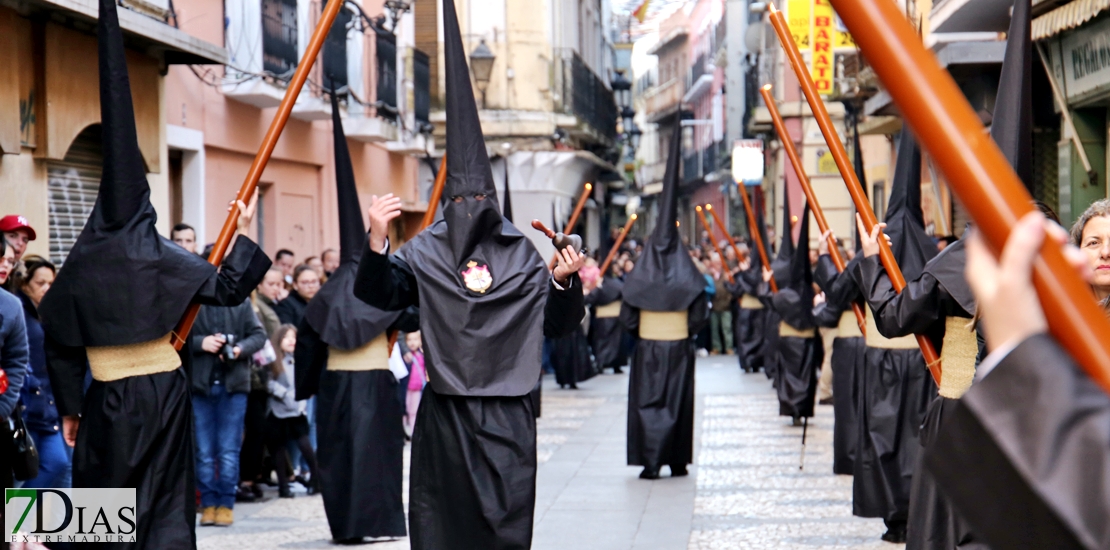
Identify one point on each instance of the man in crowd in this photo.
(14, 360)
(222, 341)
(185, 236)
(17, 233)
(331, 261)
(286, 261)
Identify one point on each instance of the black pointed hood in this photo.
(781, 265)
(801, 274)
(469, 175)
(904, 221)
(1012, 123)
(665, 278)
(341, 320)
(152, 280)
(507, 210)
(124, 191)
(482, 283)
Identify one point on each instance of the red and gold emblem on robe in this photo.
(477, 277)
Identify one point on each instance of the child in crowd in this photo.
(286, 418)
(417, 378)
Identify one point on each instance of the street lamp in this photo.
(481, 65)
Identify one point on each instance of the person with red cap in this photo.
(17, 232)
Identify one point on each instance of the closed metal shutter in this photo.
(72, 185)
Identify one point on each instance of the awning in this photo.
(1067, 17)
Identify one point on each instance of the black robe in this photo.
(796, 359)
(605, 332)
(749, 325)
(847, 361)
(360, 439)
(570, 355)
(1024, 454)
(921, 308)
(154, 456)
(661, 392)
(473, 467)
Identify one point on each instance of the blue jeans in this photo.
(53, 461)
(219, 420)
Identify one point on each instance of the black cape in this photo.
(1023, 455)
(661, 393)
(606, 333)
(749, 325)
(847, 361)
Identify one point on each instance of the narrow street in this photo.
(745, 489)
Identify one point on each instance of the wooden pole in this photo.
(757, 234)
(574, 218)
(437, 194)
(977, 172)
(616, 246)
(847, 171)
(263, 156)
(807, 188)
(721, 227)
(709, 230)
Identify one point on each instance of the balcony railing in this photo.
(279, 36)
(335, 50)
(697, 69)
(386, 64)
(422, 86)
(584, 94)
(663, 100)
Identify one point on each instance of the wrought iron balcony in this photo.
(279, 36)
(582, 93)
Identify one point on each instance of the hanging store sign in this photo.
(1081, 61)
(799, 21)
(747, 161)
(821, 60)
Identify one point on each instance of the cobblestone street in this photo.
(745, 489)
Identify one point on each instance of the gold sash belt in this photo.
(110, 363)
(957, 358)
(788, 331)
(848, 326)
(748, 301)
(876, 340)
(608, 311)
(371, 356)
(663, 325)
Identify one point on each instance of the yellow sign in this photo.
(798, 19)
(821, 61)
(825, 163)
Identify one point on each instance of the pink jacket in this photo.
(416, 372)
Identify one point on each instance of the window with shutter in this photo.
(72, 185)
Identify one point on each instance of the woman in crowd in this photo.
(1091, 233)
(286, 417)
(306, 283)
(39, 412)
(416, 380)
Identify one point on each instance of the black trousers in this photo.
(254, 430)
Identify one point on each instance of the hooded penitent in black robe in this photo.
(749, 314)
(798, 350)
(121, 293)
(358, 417)
(934, 523)
(605, 327)
(665, 304)
(480, 285)
(848, 354)
(895, 388)
(1023, 456)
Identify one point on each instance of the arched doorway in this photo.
(72, 185)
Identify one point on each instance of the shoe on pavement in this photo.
(797, 423)
(679, 471)
(649, 473)
(285, 494)
(826, 401)
(895, 535)
(224, 516)
(208, 515)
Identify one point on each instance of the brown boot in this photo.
(224, 516)
(208, 515)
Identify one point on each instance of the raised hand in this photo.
(869, 241)
(570, 261)
(823, 243)
(383, 210)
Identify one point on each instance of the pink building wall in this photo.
(299, 182)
